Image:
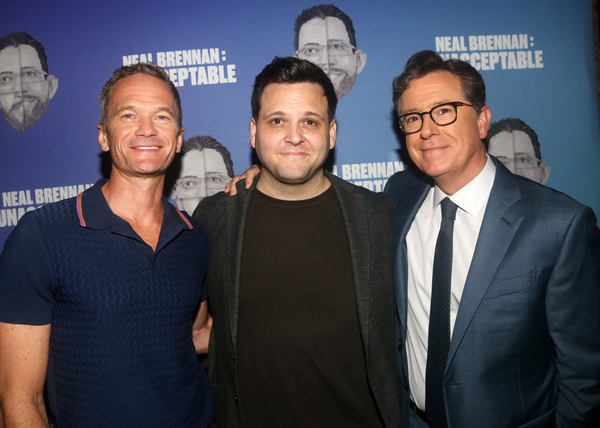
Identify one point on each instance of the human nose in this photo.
(146, 127)
(429, 127)
(509, 164)
(294, 135)
(202, 190)
(18, 87)
(325, 60)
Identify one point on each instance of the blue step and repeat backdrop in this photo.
(535, 56)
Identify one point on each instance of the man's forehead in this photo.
(431, 90)
(23, 56)
(201, 162)
(192, 163)
(280, 96)
(319, 30)
(512, 142)
(143, 88)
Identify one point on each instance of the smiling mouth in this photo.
(433, 149)
(294, 154)
(146, 148)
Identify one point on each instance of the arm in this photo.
(250, 174)
(573, 316)
(23, 363)
(201, 329)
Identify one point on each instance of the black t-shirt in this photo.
(300, 357)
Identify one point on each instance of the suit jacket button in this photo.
(235, 398)
(233, 356)
(405, 386)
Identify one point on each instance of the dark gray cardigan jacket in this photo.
(368, 218)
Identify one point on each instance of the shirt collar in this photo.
(472, 196)
(94, 213)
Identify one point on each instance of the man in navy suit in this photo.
(524, 294)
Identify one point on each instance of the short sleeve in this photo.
(26, 282)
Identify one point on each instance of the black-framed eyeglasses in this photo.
(442, 115)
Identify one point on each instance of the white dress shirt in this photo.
(420, 243)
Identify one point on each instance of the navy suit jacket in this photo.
(525, 349)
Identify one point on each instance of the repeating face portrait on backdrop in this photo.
(206, 167)
(516, 145)
(25, 85)
(325, 36)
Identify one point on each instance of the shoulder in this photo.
(408, 177)
(57, 213)
(546, 213)
(537, 199)
(210, 206)
(349, 192)
(407, 186)
(529, 197)
(213, 209)
(195, 227)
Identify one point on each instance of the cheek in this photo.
(6, 100)
(411, 146)
(38, 90)
(533, 173)
(347, 61)
(266, 140)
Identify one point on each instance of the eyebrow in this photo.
(281, 113)
(432, 105)
(132, 107)
(328, 41)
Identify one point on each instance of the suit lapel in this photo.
(355, 218)
(499, 226)
(237, 209)
(408, 197)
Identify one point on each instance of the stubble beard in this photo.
(346, 83)
(20, 119)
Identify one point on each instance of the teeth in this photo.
(146, 148)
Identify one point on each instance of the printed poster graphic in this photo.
(537, 65)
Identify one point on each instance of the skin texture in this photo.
(23, 363)
(27, 102)
(143, 137)
(292, 138)
(342, 70)
(453, 154)
(141, 133)
(515, 150)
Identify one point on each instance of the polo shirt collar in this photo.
(94, 213)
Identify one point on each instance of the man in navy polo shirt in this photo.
(102, 294)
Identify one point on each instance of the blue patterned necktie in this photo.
(439, 319)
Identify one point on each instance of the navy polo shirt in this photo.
(121, 313)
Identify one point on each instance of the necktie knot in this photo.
(448, 209)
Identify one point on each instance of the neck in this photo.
(450, 184)
(138, 201)
(270, 186)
